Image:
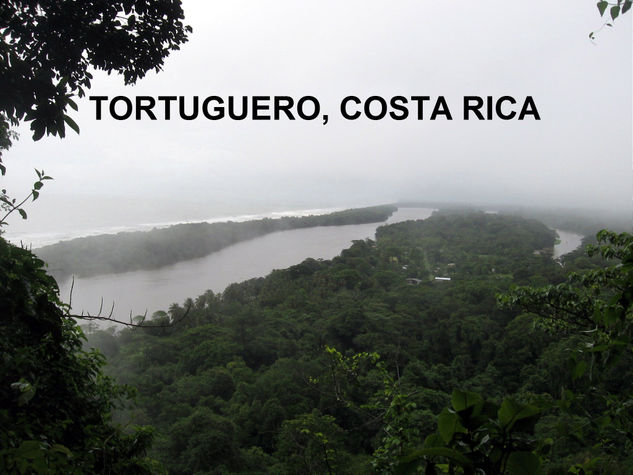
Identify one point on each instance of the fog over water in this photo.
(40, 239)
(151, 290)
(136, 174)
(118, 174)
(157, 289)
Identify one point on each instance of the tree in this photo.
(615, 10)
(592, 313)
(480, 436)
(596, 309)
(47, 48)
(55, 402)
(9, 205)
(596, 303)
(313, 443)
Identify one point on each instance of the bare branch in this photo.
(140, 324)
(110, 318)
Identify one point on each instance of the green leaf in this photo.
(511, 412)
(72, 103)
(26, 396)
(62, 449)
(602, 6)
(615, 12)
(29, 449)
(127, 6)
(40, 465)
(38, 133)
(37, 185)
(447, 424)
(627, 6)
(35, 194)
(612, 315)
(59, 130)
(579, 369)
(22, 213)
(568, 395)
(461, 400)
(71, 123)
(433, 440)
(523, 463)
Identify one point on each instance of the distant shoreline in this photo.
(38, 240)
(159, 247)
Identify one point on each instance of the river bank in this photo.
(152, 290)
(148, 291)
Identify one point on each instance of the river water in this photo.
(569, 241)
(152, 290)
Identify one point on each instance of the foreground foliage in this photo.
(56, 404)
(361, 364)
(596, 308)
(47, 49)
(247, 377)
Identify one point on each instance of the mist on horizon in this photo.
(577, 156)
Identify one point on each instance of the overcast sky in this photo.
(578, 154)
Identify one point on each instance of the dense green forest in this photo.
(127, 251)
(353, 364)
(579, 220)
(362, 364)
